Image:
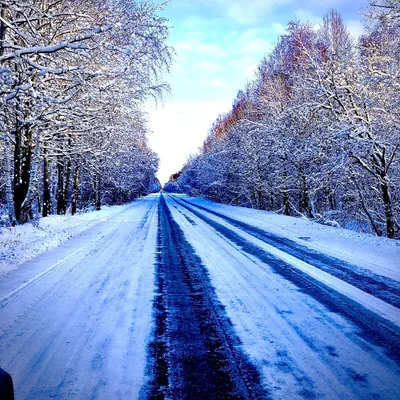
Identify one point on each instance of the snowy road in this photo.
(179, 298)
(80, 330)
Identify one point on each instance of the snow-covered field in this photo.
(90, 304)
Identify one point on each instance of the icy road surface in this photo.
(179, 298)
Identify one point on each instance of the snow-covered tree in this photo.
(74, 77)
(317, 131)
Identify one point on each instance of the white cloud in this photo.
(257, 46)
(218, 83)
(308, 16)
(213, 50)
(198, 22)
(250, 71)
(355, 28)
(240, 15)
(194, 42)
(193, 22)
(179, 129)
(278, 28)
(183, 46)
(330, 3)
(211, 67)
(252, 41)
(249, 34)
(243, 64)
(246, 13)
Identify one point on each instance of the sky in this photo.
(218, 45)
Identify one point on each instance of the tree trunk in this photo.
(17, 173)
(3, 27)
(98, 192)
(379, 171)
(66, 186)
(285, 195)
(22, 168)
(75, 191)
(26, 211)
(332, 201)
(7, 176)
(60, 187)
(39, 203)
(46, 186)
(387, 202)
(304, 198)
(271, 203)
(380, 154)
(7, 166)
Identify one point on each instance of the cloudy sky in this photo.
(218, 45)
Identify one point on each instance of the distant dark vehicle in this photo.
(6, 386)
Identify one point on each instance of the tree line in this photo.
(75, 76)
(316, 133)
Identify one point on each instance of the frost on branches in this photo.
(317, 132)
(74, 76)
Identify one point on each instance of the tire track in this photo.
(382, 287)
(195, 353)
(373, 328)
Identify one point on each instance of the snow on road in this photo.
(81, 330)
(366, 250)
(166, 298)
(24, 242)
(303, 349)
(376, 292)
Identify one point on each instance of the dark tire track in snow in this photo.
(373, 328)
(195, 353)
(382, 287)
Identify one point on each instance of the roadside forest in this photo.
(75, 76)
(316, 133)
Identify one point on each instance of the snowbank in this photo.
(22, 243)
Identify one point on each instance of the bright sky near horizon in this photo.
(218, 45)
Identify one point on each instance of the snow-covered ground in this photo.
(78, 315)
(366, 250)
(75, 321)
(370, 301)
(23, 242)
(303, 348)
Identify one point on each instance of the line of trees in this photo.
(74, 79)
(317, 132)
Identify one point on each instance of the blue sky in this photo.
(218, 45)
